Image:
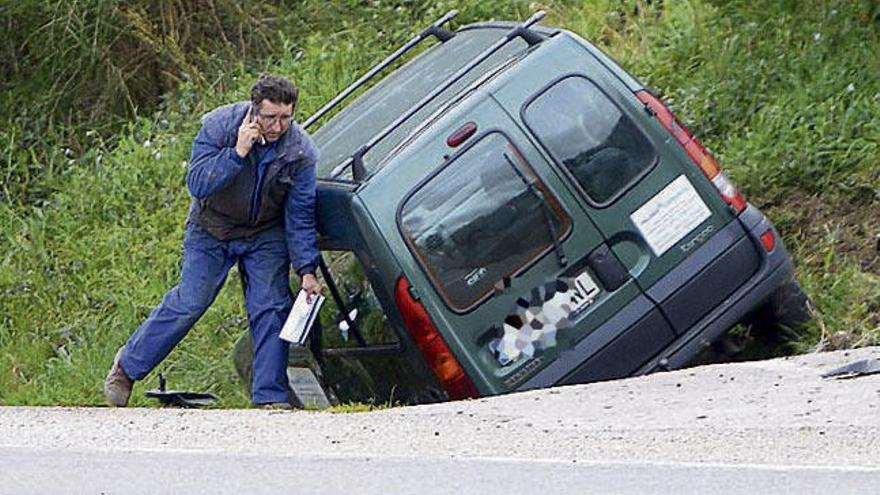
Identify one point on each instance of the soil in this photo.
(852, 223)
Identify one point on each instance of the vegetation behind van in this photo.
(783, 93)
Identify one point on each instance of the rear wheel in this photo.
(784, 314)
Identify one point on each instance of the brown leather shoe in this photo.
(117, 385)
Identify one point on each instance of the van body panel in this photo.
(335, 215)
(626, 353)
(381, 104)
(719, 267)
(345, 224)
(626, 318)
(381, 267)
(775, 268)
(673, 182)
(697, 296)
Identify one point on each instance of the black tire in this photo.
(785, 313)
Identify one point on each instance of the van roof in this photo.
(377, 108)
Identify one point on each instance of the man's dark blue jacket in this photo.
(230, 203)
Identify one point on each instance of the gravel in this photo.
(771, 413)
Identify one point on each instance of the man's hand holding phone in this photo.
(249, 132)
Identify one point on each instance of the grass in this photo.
(785, 93)
(359, 407)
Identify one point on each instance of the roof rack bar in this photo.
(434, 29)
(521, 31)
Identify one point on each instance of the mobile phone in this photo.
(253, 113)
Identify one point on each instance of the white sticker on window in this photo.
(670, 215)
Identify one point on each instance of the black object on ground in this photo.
(179, 398)
(856, 369)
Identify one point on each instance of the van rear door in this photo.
(521, 275)
(652, 204)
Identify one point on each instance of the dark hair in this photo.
(274, 88)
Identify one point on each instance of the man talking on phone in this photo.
(252, 181)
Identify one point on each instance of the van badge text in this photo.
(475, 275)
(698, 239)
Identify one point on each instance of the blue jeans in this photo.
(264, 264)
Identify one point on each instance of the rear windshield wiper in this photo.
(548, 213)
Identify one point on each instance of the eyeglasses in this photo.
(283, 119)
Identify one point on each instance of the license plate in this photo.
(583, 292)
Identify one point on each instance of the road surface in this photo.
(761, 427)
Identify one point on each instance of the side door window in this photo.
(483, 217)
(360, 364)
(586, 133)
(361, 301)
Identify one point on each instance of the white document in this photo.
(299, 322)
(670, 215)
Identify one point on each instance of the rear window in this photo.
(588, 135)
(478, 221)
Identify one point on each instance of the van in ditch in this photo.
(511, 210)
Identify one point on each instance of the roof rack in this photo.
(435, 29)
(356, 162)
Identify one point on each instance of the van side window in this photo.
(589, 135)
(477, 221)
(363, 305)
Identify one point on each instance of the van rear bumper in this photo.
(638, 340)
(774, 270)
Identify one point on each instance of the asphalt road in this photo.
(211, 473)
(762, 427)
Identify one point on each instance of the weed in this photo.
(785, 93)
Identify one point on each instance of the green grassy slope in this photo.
(785, 93)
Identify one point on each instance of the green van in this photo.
(511, 210)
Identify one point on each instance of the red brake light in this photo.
(461, 134)
(695, 150)
(768, 240)
(444, 365)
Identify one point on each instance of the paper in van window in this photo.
(670, 215)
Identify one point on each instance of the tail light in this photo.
(695, 150)
(768, 240)
(444, 365)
